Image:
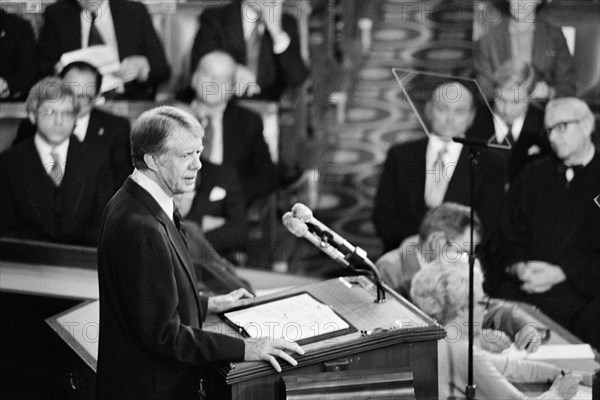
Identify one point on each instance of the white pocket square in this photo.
(533, 150)
(217, 193)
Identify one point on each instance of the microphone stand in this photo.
(473, 146)
(358, 259)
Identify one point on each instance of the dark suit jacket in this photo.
(400, 205)
(151, 341)
(548, 220)
(245, 149)
(107, 134)
(17, 52)
(551, 59)
(135, 34)
(211, 180)
(33, 207)
(221, 29)
(532, 134)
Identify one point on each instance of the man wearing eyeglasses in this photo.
(551, 226)
(53, 188)
(105, 133)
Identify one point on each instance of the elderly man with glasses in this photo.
(551, 228)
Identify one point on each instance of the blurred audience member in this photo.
(442, 293)
(53, 188)
(262, 40)
(523, 37)
(517, 120)
(424, 173)
(444, 241)
(17, 52)
(232, 135)
(124, 26)
(104, 132)
(216, 208)
(551, 229)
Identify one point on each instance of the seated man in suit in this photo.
(53, 188)
(517, 120)
(551, 228)
(216, 209)
(17, 47)
(104, 132)
(424, 173)
(233, 135)
(262, 40)
(443, 241)
(123, 25)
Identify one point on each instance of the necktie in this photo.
(209, 132)
(253, 49)
(437, 181)
(95, 37)
(178, 220)
(56, 172)
(509, 136)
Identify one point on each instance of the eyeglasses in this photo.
(561, 127)
(48, 112)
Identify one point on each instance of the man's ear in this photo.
(150, 161)
(32, 117)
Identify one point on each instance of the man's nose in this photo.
(197, 164)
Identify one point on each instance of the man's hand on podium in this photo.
(266, 349)
(237, 298)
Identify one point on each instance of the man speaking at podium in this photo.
(151, 341)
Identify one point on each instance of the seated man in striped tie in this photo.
(54, 188)
(422, 174)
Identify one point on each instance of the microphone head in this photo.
(294, 225)
(302, 212)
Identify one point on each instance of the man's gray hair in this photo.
(153, 128)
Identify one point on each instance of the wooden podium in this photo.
(393, 335)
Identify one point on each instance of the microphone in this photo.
(299, 229)
(354, 256)
(303, 213)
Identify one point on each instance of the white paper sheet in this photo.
(293, 319)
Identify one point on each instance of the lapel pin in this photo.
(101, 132)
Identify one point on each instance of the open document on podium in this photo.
(300, 318)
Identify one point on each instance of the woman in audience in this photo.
(528, 39)
(442, 293)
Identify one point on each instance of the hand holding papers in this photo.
(102, 57)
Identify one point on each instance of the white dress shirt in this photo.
(501, 128)
(104, 24)
(250, 18)
(81, 127)
(215, 153)
(162, 198)
(437, 179)
(45, 151)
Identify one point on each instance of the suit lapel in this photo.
(234, 29)
(94, 126)
(458, 187)
(172, 233)
(39, 188)
(74, 183)
(539, 56)
(119, 16)
(72, 26)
